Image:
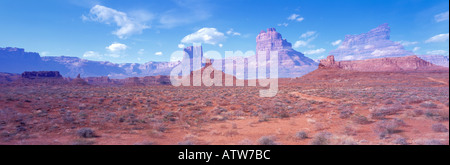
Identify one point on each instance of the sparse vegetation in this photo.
(321, 138)
(86, 133)
(301, 135)
(267, 140)
(439, 128)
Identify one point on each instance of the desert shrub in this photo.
(437, 115)
(381, 113)
(266, 140)
(263, 118)
(439, 128)
(231, 133)
(83, 142)
(208, 103)
(245, 142)
(86, 133)
(346, 113)
(347, 141)
(359, 119)
(386, 127)
(432, 142)
(321, 138)
(301, 135)
(418, 112)
(146, 143)
(400, 141)
(186, 142)
(387, 102)
(234, 125)
(349, 131)
(428, 104)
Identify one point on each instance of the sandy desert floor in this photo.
(337, 108)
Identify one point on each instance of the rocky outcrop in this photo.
(41, 75)
(374, 44)
(104, 80)
(78, 81)
(388, 64)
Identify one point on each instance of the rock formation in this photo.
(43, 77)
(104, 80)
(374, 44)
(78, 81)
(290, 62)
(388, 64)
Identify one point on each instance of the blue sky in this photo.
(140, 31)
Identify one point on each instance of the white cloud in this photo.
(44, 53)
(92, 54)
(308, 34)
(220, 45)
(283, 24)
(295, 17)
(233, 33)
(316, 51)
(116, 47)
(336, 42)
(437, 52)
(300, 43)
(348, 58)
(159, 53)
(438, 38)
(441, 17)
(127, 25)
(384, 53)
(181, 46)
(369, 46)
(408, 43)
(204, 35)
(415, 49)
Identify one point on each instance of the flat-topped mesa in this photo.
(271, 41)
(41, 75)
(387, 64)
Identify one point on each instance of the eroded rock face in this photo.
(271, 41)
(374, 44)
(388, 64)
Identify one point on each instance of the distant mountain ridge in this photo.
(386, 64)
(16, 60)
